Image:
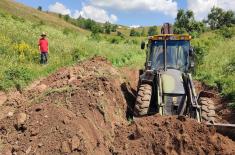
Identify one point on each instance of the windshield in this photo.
(176, 54)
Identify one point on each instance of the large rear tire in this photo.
(207, 109)
(143, 100)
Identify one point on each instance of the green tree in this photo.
(95, 29)
(60, 15)
(39, 8)
(66, 18)
(133, 32)
(219, 18)
(81, 22)
(143, 33)
(114, 28)
(215, 17)
(107, 28)
(186, 23)
(152, 30)
(229, 18)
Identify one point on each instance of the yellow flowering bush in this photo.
(25, 52)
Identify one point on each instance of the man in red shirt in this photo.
(43, 48)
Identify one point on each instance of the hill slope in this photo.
(19, 50)
(27, 13)
(217, 66)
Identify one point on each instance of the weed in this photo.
(59, 90)
(232, 105)
(67, 31)
(76, 54)
(226, 32)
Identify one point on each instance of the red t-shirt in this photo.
(43, 43)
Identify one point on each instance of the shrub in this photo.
(120, 34)
(76, 55)
(18, 18)
(152, 30)
(133, 32)
(115, 40)
(232, 106)
(41, 22)
(25, 52)
(230, 68)
(66, 18)
(226, 32)
(95, 36)
(17, 76)
(107, 28)
(67, 31)
(39, 8)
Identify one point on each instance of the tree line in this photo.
(217, 19)
(185, 22)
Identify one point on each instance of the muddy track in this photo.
(84, 110)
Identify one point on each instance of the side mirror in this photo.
(191, 58)
(142, 45)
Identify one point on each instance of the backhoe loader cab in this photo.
(169, 52)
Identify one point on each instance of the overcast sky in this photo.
(130, 12)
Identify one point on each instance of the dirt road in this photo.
(83, 110)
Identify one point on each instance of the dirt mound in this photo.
(72, 111)
(82, 110)
(170, 135)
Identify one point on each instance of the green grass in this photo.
(19, 61)
(217, 69)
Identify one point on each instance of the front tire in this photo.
(207, 109)
(143, 100)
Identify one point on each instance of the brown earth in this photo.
(83, 110)
(170, 135)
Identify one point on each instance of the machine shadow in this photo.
(130, 97)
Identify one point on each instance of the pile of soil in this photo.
(170, 135)
(73, 111)
(82, 110)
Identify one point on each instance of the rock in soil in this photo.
(65, 148)
(75, 143)
(21, 119)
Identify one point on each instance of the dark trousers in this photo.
(44, 56)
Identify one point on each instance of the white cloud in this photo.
(95, 13)
(88, 11)
(201, 8)
(134, 26)
(168, 7)
(59, 8)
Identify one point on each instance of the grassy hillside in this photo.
(70, 44)
(27, 13)
(217, 66)
(19, 51)
(126, 30)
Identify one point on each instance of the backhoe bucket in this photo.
(224, 129)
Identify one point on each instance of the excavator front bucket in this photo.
(225, 129)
